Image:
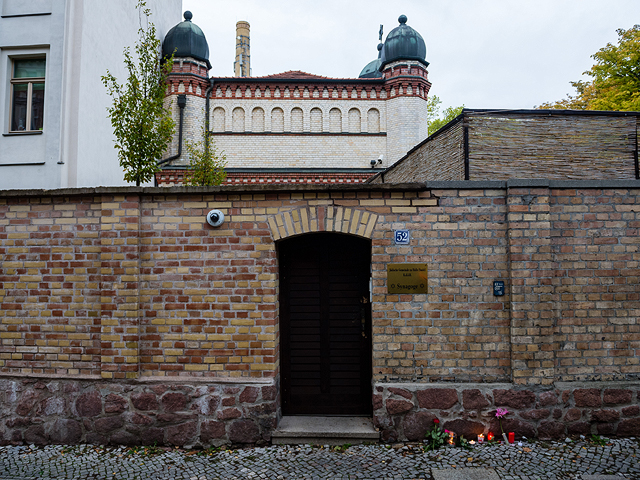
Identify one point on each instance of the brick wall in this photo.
(118, 287)
(524, 144)
(440, 158)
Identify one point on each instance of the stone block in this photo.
(605, 416)
(631, 411)
(514, 398)
(416, 424)
(107, 424)
(606, 428)
(182, 434)
(615, 396)
(269, 393)
(122, 437)
(139, 419)
(89, 404)
(572, 415)
(65, 432)
(36, 434)
(150, 436)
(537, 414)
(579, 428)
(468, 428)
(395, 407)
(587, 397)
(519, 427)
(145, 401)
(244, 431)
(474, 400)
(174, 401)
(115, 404)
(440, 398)
(229, 413)
(629, 428)
(551, 430)
(548, 398)
(52, 406)
(211, 430)
(27, 401)
(249, 395)
(401, 392)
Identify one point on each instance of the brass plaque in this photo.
(407, 277)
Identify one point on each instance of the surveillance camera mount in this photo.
(215, 218)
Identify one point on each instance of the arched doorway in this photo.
(325, 324)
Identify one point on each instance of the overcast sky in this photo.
(482, 53)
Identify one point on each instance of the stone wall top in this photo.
(362, 187)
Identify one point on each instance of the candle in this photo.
(489, 436)
(481, 438)
(512, 437)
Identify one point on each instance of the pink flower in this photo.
(447, 431)
(501, 412)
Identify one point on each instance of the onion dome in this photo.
(403, 43)
(372, 70)
(186, 40)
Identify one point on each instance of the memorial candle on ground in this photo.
(512, 437)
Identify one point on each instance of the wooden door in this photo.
(325, 325)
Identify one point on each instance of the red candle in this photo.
(489, 436)
(512, 437)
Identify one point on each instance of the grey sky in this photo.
(482, 53)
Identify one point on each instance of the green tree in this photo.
(433, 114)
(141, 124)
(615, 78)
(206, 165)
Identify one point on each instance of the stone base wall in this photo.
(45, 411)
(405, 411)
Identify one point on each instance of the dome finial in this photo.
(188, 16)
(402, 19)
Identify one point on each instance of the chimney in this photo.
(242, 65)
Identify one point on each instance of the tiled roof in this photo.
(293, 75)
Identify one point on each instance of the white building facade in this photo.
(53, 105)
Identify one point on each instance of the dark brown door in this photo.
(325, 325)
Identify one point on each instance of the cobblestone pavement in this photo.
(537, 460)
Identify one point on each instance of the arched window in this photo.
(218, 119)
(277, 120)
(355, 121)
(373, 121)
(296, 120)
(257, 120)
(335, 120)
(238, 119)
(316, 120)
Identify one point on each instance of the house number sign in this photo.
(407, 277)
(401, 237)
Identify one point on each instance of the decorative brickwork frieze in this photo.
(322, 219)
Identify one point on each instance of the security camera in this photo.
(373, 163)
(215, 218)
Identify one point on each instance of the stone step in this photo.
(295, 430)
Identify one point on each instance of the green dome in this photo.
(372, 70)
(186, 40)
(403, 43)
